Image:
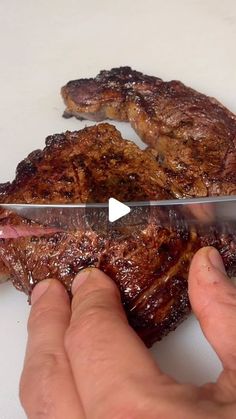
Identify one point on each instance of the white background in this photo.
(43, 44)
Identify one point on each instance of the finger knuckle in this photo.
(92, 317)
(229, 299)
(225, 300)
(203, 314)
(97, 295)
(87, 322)
(39, 315)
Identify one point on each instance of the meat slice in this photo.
(193, 136)
(148, 259)
(90, 165)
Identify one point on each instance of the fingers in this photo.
(47, 387)
(109, 361)
(203, 212)
(213, 299)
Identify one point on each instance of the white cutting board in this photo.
(43, 45)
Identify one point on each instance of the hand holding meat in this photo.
(89, 363)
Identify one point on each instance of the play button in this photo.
(117, 210)
(114, 218)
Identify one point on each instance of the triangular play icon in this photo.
(117, 209)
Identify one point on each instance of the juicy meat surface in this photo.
(148, 259)
(192, 136)
(90, 165)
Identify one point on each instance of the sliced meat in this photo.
(148, 258)
(193, 135)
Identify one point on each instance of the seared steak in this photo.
(148, 262)
(90, 165)
(193, 136)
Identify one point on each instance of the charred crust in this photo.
(25, 168)
(124, 75)
(67, 114)
(56, 140)
(4, 189)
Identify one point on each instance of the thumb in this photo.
(213, 299)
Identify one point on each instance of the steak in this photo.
(148, 258)
(90, 165)
(192, 136)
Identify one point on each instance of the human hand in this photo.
(85, 362)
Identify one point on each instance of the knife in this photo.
(173, 213)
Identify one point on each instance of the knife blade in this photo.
(192, 211)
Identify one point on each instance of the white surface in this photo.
(44, 44)
(117, 209)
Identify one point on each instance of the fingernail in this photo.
(80, 279)
(216, 260)
(39, 290)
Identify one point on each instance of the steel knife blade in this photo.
(194, 211)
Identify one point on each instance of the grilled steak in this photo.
(149, 262)
(90, 165)
(192, 136)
